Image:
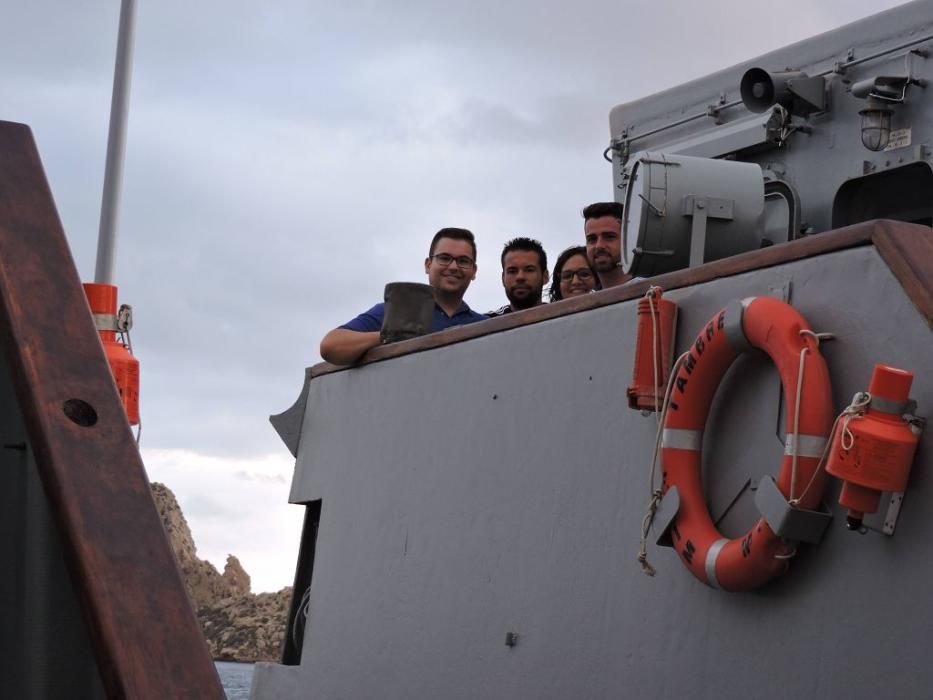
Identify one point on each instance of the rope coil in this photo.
(854, 410)
(301, 617)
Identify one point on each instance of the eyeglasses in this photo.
(464, 262)
(582, 274)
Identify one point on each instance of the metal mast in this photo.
(116, 145)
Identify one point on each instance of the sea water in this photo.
(236, 679)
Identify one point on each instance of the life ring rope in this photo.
(656, 492)
(796, 441)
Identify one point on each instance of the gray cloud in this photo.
(264, 478)
(201, 507)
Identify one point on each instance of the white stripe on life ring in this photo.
(681, 439)
(807, 445)
(711, 555)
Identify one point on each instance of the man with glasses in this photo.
(524, 274)
(450, 267)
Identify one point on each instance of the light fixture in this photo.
(880, 93)
(876, 125)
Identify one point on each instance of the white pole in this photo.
(116, 145)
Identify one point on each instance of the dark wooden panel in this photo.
(146, 639)
(908, 252)
(906, 245)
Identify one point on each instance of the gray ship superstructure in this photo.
(475, 498)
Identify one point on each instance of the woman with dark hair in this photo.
(573, 275)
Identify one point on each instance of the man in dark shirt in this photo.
(602, 225)
(450, 267)
(524, 274)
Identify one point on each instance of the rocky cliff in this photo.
(239, 625)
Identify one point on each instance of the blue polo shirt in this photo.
(372, 320)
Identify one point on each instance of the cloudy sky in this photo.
(285, 160)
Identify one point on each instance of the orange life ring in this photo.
(771, 325)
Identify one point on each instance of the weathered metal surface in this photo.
(142, 630)
(498, 485)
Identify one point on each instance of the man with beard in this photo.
(524, 274)
(603, 228)
(450, 267)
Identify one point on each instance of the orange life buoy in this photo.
(773, 326)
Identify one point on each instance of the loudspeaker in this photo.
(793, 90)
(760, 89)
